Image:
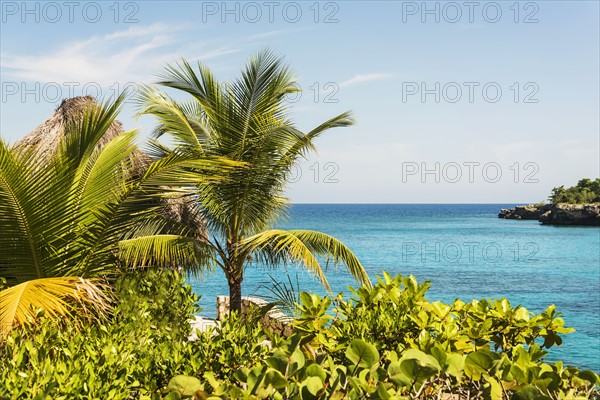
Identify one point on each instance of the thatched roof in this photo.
(49, 134)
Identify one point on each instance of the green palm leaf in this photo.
(170, 250)
(58, 297)
(77, 213)
(277, 246)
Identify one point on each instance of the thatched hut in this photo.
(49, 134)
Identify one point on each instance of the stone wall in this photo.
(201, 324)
(274, 320)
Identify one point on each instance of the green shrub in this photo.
(386, 343)
(586, 191)
(389, 315)
(395, 314)
(237, 342)
(156, 298)
(392, 343)
(133, 354)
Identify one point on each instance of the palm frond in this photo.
(185, 169)
(172, 251)
(186, 128)
(58, 297)
(305, 142)
(333, 249)
(274, 247)
(24, 188)
(97, 177)
(17, 241)
(202, 86)
(285, 297)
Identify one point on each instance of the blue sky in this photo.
(455, 102)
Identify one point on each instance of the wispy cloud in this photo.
(360, 78)
(130, 55)
(273, 34)
(265, 35)
(215, 53)
(151, 30)
(103, 59)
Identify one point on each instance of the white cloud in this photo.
(265, 35)
(130, 55)
(103, 59)
(274, 34)
(357, 79)
(216, 53)
(136, 31)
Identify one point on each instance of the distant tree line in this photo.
(586, 191)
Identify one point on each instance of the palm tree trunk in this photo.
(235, 294)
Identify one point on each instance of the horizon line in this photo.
(335, 203)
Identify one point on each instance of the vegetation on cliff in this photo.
(577, 205)
(585, 192)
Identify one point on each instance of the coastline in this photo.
(555, 214)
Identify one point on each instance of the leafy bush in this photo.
(386, 343)
(156, 298)
(237, 342)
(586, 191)
(391, 343)
(131, 355)
(396, 314)
(389, 315)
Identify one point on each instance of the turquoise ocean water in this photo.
(466, 252)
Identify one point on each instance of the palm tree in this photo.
(246, 121)
(72, 215)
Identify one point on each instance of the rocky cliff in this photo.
(556, 214)
(531, 211)
(572, 214)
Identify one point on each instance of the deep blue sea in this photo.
(466, 252)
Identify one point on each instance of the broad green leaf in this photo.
(279, 362)
(477, 363)
(313, 384)
(275, 378)
(425, 360)
(185, 385)
(494, 390)
(455, 364)
(316, 370)
(362, 354)
(297, 361)
(173, 396)
(382, 392)
(415, 371)
(527, 393)
(590, 376)
(397, 376)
